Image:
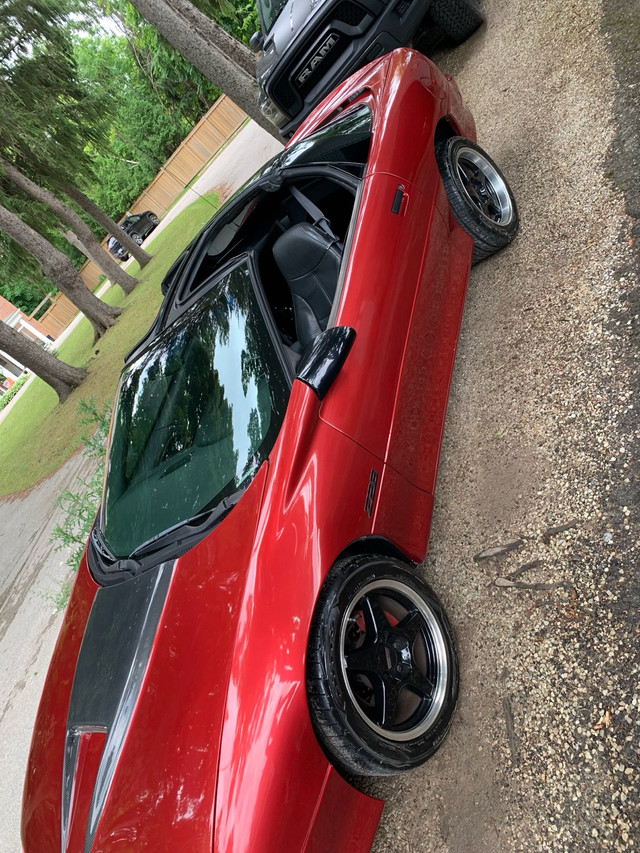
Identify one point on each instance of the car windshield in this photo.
(269, 11)
(197, 414)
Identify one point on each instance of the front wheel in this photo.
(382, 671)
(137, 238)
(479, 195)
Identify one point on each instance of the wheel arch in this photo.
(375, 545)
(445, 129)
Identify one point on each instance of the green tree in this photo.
(61, 271)
(62, 377)
(219, 56)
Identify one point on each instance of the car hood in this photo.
(126, 743)
(286, 28)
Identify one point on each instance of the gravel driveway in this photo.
(541, 450)
(540, 454)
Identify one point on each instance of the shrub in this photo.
(81, 505)
(8, 396)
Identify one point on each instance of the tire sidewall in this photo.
(489, 236)
(386, 755)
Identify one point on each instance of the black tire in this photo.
(137, 238)
(457, 19)
(153, 219)
(382, 670)
(479, 194)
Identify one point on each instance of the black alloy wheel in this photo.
(479, 194)
(382, 671)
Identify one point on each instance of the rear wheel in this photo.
(479, 195)
(457, 19)
(153, 219)
(382, 672)
(137, 238)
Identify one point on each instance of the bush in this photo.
(80, 506)
(8, 396)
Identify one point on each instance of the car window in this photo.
(269, 11)
(344, 141)
(197, 414)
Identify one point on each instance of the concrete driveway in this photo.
(541, 450)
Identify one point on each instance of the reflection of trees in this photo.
(175, 409)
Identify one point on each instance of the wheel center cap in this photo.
(397, 657)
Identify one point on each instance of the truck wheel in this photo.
(457, 19)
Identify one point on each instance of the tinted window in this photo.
(345, 140)
(269, 11)
(197, 414)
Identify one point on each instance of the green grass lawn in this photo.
(39, 434)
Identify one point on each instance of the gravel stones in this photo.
(541, 447)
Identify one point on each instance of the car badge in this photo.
(317, 57)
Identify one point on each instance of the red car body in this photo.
(219, 752)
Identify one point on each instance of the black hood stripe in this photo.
(111, 666)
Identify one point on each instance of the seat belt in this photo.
(314, 212)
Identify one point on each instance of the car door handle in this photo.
(400, 199)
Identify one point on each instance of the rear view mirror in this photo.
(322, 360)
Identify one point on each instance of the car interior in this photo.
(295, 235)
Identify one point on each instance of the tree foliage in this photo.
(159, 97)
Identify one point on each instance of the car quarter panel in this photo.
(345, 821)
(273, 774)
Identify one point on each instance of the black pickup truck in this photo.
(308, 47)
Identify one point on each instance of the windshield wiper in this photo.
(189, 529)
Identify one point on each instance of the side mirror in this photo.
(323, 358)
(256, 41)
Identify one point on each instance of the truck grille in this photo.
(350, 13)
(307, 67)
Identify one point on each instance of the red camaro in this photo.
(247, 626)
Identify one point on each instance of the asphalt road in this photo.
(541, 446)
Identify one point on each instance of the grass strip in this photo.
(38, 434)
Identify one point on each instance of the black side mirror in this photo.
(256, 41)
(323, 358)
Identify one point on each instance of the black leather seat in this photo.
(309, 259)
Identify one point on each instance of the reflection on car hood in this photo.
(126, 744)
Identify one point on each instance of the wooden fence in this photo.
(205, 140)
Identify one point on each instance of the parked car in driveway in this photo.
(138, 226)
(308, 47)
(247, 629)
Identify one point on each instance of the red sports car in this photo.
(247, 627)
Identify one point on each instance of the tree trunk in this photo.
(107, 223)
(92, 248)
(214, 33)
(57, 266)
(197, 42)
(62, 377)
